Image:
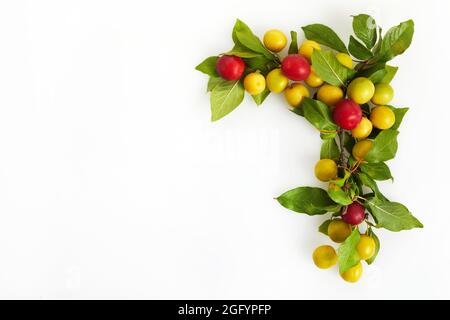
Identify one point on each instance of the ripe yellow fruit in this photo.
(383, 94)
(353, 274)
(325, 170)
(329, 94)
(363, 129)
(382, 117)
(313, 80)
(339, 230)
(361, 90)
(275, 40)
(366, 247)
(361, 148)
(325, 257)
(276, 81)
(295, 93)
(345, 60)
(254, 83)
(307, 48)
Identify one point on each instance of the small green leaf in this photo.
(365, 29)
(324, 35)
(323, 228)
(213, 82)
(390, 74)
(340, 182)
(318, 114)
(396, 41)
(244, 37)
(371, 184)
(312, 201)
(208, 66)
(375, 73)
(259, 98)
(293, 48)
(384, 146)
(329, 150)
(338, 195)
(392, 216)
(377, 171)
(347, 254)
(260, 63)
(328, 68)
(399, 114)
(377, 246)
(358, 50)
(243, 52)
(225, 97)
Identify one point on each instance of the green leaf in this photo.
(399, 114)
(323, 228)
(243, 52)
(377, 171)
(349, 141)
(377, 246)
(358, 50)
(213, 82)
(243, 36)
(384, 147)
(293, 48)
(259, 98)
(329, 69)
(309, 200)
(396, 41)
(329, 150)
(340, 182)
(225, 97)
(208, 66)
(390, 74)
(392, 216)
(260, 63)
(375, 73)
(338, 195)
(324, 35)
(365, 29)
(298, 111)
(318, 114)
(370, 183)
(347, 254)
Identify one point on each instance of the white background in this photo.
(115, 184)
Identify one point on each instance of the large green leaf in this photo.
(377, 246)
(365, 29)
(371, 184)
(225, 97)
(329, 150)
(375, 73)
(358, 50)
(318, 114)
(213, 82)
(208, 66)
(384, 147)
(260, 63)
(324, 35)
(328, 68)
(293, 47)
(244, 37)
(347, 254)
(309, 200)
(377, 171)
(396, 41)
(243, 52)
(392, 216)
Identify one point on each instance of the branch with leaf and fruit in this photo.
(344, 92)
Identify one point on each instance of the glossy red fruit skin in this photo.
(296, 67)
(354, 214)
(347, 114)
(230, 67)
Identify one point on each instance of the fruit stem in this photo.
(342, 161)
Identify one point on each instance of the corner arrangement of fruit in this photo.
(344, 92)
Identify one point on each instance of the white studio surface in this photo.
(115, 184)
